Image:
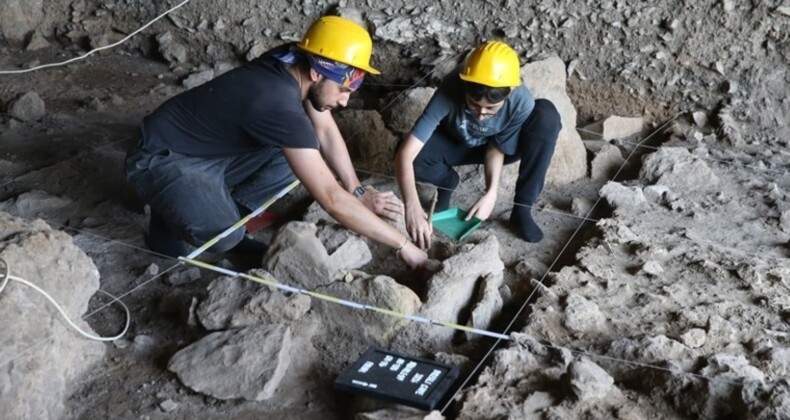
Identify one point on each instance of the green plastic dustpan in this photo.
(451, 222)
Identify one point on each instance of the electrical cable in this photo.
(6, 277)
(95, 50)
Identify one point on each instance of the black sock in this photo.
(521, 218)
(247, 254)
(443, 199)
(162, 239)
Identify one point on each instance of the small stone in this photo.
(182, 277)
(168, 405)
(652, 268)
(694, 338)
(700, 118)
(121, 343)
(27, 107)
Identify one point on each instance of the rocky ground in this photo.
(660, 291)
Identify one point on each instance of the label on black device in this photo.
(406, 380)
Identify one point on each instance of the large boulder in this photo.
(244, 363)
(546, 79)
(298, 257)
(450, 294)
(39, 359)
(18, 18)
(367, 326)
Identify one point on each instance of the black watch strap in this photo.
(359, 191)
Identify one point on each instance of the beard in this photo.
(317, 100)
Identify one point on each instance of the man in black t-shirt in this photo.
(223, 148)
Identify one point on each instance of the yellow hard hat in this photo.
(341, 40)
(492, 64)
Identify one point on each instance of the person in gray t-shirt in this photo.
(480, 114)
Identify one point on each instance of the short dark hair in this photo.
(491, 94)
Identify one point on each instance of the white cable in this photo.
(89, 53)
(7, 276)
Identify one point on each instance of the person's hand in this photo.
(384, 204)
(420, 230)
(413, 257)
(483, 207)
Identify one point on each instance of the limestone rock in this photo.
(173, 52)
(34, 204)
(694, 338)
(582, 315)
(621, 197)
(606, 162)
(36, 42)
(588, 381)
(369, 326)
(27, 107)
(489, 305)
(234, 302)
(581, 206)
(614, 127)
(198, 78)
(43, 372)
(297, 256)
(450, 291)
(244, 363)
(677, 169)
(547, 79)
(19, 17)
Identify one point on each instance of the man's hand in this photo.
(384, 204)
(483, 207)
(418, 226)
(413, 257)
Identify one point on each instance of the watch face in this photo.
(359, 191)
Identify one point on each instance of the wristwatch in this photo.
(359, 191)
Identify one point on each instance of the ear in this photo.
(315, 76)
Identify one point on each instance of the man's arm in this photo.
(334, 150)
(494, 161)
(312, 171)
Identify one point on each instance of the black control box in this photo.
(406, 380)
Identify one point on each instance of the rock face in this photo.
(27, 107)
(370, 144)
(39, 358)
(405, 109)
(241, 363)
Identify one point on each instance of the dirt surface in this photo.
(724, 249)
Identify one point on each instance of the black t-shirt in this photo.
(256, 105)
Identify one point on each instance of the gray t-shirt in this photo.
(447, 108)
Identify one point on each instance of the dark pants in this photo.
(198, 197)
(537, 138)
